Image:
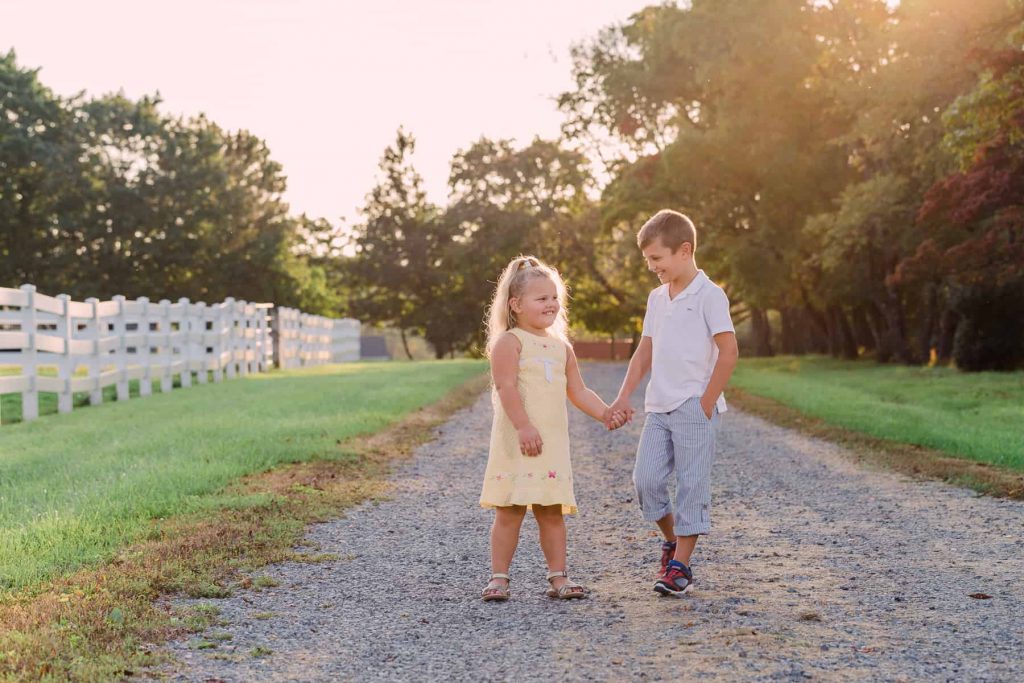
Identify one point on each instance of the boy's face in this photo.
(665, 263)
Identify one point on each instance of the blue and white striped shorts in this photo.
(684, 441)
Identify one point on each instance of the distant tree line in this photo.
(108, 196)
(855, 170)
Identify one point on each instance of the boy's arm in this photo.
(639, 366)
(505, 375)
(580, 396)
(728, 354)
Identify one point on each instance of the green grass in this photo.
(74, 488)
(979, 416)
(10, 404)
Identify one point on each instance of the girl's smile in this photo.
(538, 307)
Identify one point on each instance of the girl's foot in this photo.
(497, 588)
(564, 589)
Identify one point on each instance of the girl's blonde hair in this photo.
(511, 285)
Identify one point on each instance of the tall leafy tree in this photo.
(397, 275)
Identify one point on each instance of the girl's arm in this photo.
(505, 375)
(582, 397)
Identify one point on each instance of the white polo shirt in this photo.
(682, 333)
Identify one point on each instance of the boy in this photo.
(689, 346)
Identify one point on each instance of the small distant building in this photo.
(373, 347)
(616, 350)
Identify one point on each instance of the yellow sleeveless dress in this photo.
(512, 478)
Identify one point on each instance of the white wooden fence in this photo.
(121, 340)
(305, 339)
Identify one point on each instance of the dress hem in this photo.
(567, 508)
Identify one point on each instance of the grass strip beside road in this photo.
(76, 487)
(962, 427)
(106, 621)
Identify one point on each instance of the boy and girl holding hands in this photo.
(688, 345)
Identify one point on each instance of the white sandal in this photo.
(496, 593)
(570, 590)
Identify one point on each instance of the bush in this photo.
(990, 335)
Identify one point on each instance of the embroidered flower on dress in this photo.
(551, 474)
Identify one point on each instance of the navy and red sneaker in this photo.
(668, 551)
(677, 579)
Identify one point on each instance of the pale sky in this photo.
(326, 84)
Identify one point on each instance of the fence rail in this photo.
(121, 340)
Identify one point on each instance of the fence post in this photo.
(202, 372)
(228, 318)
(30, 397)
(242, 337)
(253, 335)
(165, 351)
(95, 360)
(121, 357)
(185, 341)
(218, 328)
(275, 336)
(65, 364)
(146, 382)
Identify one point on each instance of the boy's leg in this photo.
(693, 436)
(667, 525)
(505, 537)
(651, 473)
(551, 524)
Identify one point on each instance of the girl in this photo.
(533, 368)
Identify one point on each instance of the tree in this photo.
(43, 185)
(397, 274)
(504, 202)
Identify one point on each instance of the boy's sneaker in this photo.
(668, 551)
(677, 579)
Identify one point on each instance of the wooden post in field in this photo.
(275, 336)
(219, 337)
(121, 357)
(249, 315)
(201, 338)
(95, 359)
(65, 366)
(268, 339)
(185, 342)
(29, 364)
(228, 313)
(165, 350)
(146, 381)
(242, 337)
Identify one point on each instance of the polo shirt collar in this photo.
(698, 282)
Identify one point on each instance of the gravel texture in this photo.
(816, 568)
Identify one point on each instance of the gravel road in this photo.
(816, 569)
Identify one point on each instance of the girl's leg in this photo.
(504, 539)
(552, 539)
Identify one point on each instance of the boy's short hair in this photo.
(671, 227)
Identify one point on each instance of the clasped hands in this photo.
(617, 414)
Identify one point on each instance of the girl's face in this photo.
(537, 307)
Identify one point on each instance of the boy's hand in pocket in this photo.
(707, 406)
